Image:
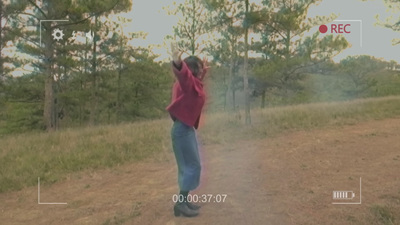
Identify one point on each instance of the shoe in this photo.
(183, 209)
(193, 206)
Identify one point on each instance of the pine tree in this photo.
(9, 31)
(191, 26)
(390, 22)
(288, 53)
(78, 12)
(224, 19)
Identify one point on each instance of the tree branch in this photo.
(29, 14)
(87, 18)
(73, 23)
(38, 8)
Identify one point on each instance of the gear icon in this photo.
(57, 34)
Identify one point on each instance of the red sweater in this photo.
(188, 97)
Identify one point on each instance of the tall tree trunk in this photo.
(245, 77)
(194, 31)
(287, 44)
(118, 105)
(120, 68)
(48, 112)
(263, 99)
(93, 106)
(84, 86)
(49, 107)
(234, 99)
(230, 83)
(1, 42)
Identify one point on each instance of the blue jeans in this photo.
(184, 144)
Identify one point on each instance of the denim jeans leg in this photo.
(186, 152)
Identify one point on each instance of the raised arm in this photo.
(180, 69)
(206, 67)
(176, 55)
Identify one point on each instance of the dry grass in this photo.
(52, 156)
(222, 127)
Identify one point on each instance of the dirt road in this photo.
(288, 179)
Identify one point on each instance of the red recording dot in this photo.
(323, 29)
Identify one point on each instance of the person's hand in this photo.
(206, 67)
(175, 53)
(205, 63)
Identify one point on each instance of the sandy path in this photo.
(286, 179)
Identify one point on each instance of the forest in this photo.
(69, 63)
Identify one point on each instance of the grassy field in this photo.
(52, 156)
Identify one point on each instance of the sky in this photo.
(150, 17)
(365, 37)
(376, 40)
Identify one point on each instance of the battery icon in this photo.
(346, 195)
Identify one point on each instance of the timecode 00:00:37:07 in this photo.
(218, 198)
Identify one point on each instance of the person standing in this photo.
(188, 98)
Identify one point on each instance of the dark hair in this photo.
(193, 63)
